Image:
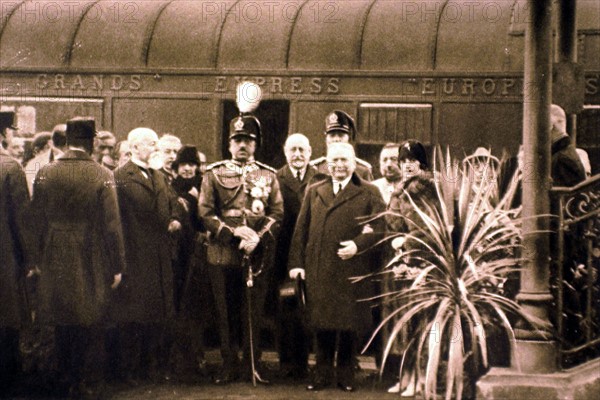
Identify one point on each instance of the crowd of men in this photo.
(122, 239)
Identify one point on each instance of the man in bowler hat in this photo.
(77, 246)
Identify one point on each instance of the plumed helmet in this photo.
(412, 149)
(339, 121)
(245, 125)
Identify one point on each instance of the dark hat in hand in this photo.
(81, 128)
(7, 120)
(245, 125)
(340, 122)
(186, 155)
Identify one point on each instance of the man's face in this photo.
(388, 164)
(242, 148)
(168, 151)
(145, 147)
(124, 153)
(341, 163)
(105, 147)
(297, 152)
(483, 174)
(336, 137)
(16, 148)
(187, 170)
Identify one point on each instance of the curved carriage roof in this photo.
(289, 35)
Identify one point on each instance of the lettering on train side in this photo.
(76, 82)
(281, 84)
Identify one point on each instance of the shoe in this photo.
(409, 392)
(345, 387)
(225, 378)
(395, 388)
(317, 385)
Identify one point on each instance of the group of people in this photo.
(121, 256)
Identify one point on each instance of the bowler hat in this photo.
(413, 150)
(186, 155)
(7, 120)
(245, 125)
(81, 128)
(339, 121)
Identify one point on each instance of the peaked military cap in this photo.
(413, 150)
(7, 120)
(245, 125)
(81, 128)
(339, 121)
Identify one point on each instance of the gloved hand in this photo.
(248, 246)
(245, 233)
(295, 271)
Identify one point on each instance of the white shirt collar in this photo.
(140, 163)
(295, 171)
(344, 183)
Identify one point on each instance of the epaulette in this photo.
(363, 163)
(317, 161)
(265, 166)
(216, 164)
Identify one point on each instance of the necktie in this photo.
(298, 176)
(339, 188)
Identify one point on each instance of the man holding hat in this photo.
(241, 207)
(340, 127)
(14, 198)
(77, 246)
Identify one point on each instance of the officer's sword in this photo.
(249, 284)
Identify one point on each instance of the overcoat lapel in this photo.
(136, 176)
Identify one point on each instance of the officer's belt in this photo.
(233, 213)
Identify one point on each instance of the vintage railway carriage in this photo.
(447, 71)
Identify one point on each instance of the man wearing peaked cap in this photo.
(340, 127)
(241, 207)
(75, 210)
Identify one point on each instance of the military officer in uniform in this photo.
(340, 127)
(241, 206)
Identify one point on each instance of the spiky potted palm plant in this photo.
(462, 245)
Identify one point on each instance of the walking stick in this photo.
(249, 285)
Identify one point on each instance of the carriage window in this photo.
(588, 134)
(394, 122)
(380, 123)
(274, 122)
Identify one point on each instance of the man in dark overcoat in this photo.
(566, 166)
(144, 304)
(14, 199)
(330, 246)
(293, 180)
(77, 246)
(241, 207)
